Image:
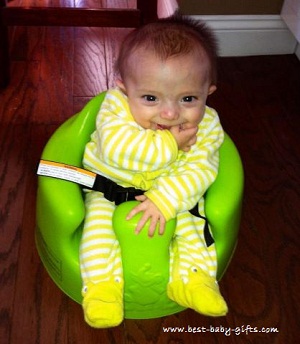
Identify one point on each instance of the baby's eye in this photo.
(188, 99)
(150, 98)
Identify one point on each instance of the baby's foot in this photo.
(103, 303)
(200, 292)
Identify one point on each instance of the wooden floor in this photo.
(54, 72)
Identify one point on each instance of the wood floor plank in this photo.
(28, 43)
(114, 39)
(33, 315)
(90, 73)
(79, 103)
(95, 52)
(54, 98)
(268, 110)
(18, 99)
(80, 332)
(13, 191)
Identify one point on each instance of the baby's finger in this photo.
(134, 211)
(141, 224)
(162, 226)
(141, 198)
(152, 227)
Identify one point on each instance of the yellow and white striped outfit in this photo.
(174, 180)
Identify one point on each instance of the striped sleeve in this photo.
(192, 174)
(123, 144)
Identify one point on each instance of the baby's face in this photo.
(163, 94)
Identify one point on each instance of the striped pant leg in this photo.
(188, 249)
(100, 256)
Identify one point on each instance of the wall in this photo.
(291, 15)
(230, 7)
(247, 27)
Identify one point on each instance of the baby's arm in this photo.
(123, 144)
(187, 180)
(191, 175)
(185, 138)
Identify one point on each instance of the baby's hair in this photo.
(170, 37)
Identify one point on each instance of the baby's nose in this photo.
(170, 112)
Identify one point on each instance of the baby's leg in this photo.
(101, 266)
(193, 269)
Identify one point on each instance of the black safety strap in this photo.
(111, 190)
(114, 192)
(209, 240)
(118, 194)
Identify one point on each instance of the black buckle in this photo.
(126, 194)
(116, 193)
(109, 190)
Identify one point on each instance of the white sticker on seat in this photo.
(67, 172)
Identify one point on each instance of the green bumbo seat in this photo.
(61, 212)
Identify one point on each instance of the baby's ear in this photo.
(212, 89)
(121, 85)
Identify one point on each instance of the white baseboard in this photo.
(246, 35)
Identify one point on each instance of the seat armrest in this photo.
(223, 203)
(61, 204)
(60, 201)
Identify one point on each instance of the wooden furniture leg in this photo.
(148, 10)
(4, 50)
(66, 16)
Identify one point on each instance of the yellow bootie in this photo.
(200, 292)
(103, 303)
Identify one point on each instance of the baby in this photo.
(155, 133)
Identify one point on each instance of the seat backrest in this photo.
(67, 144)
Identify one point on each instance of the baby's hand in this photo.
(185, 137)
(150, 212)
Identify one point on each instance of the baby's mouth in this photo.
(167, 127)
(163, 127)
